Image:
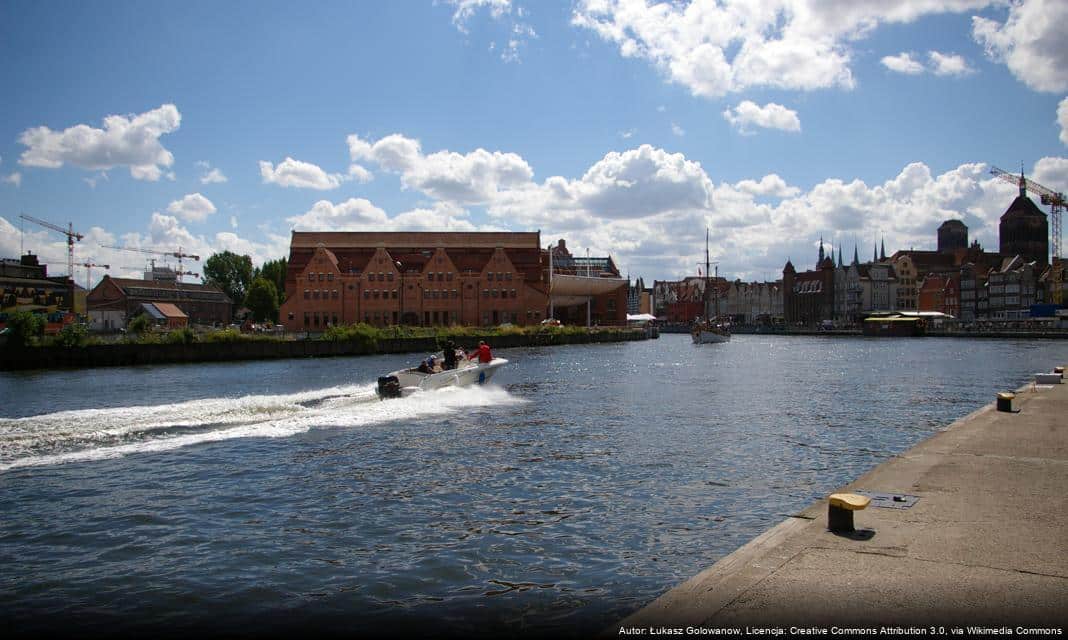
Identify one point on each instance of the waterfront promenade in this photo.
(984, 545)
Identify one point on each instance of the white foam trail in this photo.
(96, 434)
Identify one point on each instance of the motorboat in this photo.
(404, 382)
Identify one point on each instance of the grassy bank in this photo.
(187, 345)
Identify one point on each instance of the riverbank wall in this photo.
(1033, 334)
(119, 355)
(981, 547)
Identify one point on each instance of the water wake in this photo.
(95, 434)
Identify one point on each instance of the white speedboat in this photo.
(407, 381)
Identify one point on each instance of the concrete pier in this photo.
(986, 544)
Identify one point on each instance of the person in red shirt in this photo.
(482, 353)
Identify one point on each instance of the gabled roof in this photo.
(1022, 206)
(169, 310)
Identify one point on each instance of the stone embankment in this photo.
(108, 355)
(984, 546)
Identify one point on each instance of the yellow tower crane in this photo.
(1056, 201)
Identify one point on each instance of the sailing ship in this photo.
(708, 329)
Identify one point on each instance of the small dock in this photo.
(977, 538)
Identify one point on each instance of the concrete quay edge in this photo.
(986, 544)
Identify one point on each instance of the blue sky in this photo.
(623, 127)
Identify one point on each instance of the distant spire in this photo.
(821, 253)
(1023, 182)
(840, 256)
(856, 258)
(875, 253)
(882, 250)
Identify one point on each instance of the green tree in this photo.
(25, 328)
(73, 335)
(139, 324)
(262, 300)
(230, 272)
(275, 271)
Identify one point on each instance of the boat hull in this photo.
(710, 337)
(408, 381)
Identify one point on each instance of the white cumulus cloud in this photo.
(192, 208)
(129, 141)
(903, 63)
(302, 175)
(716, 48)
(445, 175)
(1062, 119)
(213, 176)
(771, 116)
(13, 178)
(1031, 42)
(948, 64)
(351, 215)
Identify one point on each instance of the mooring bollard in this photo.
(840, 508)
(1005, 401)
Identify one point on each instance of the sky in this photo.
(625, 127)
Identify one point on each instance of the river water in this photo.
(282, 496)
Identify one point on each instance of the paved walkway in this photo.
(986, 544)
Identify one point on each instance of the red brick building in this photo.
(940, 293)
(414, 278)
(114, 301)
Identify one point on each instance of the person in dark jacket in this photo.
(450, 355)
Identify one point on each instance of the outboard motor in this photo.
(389, 387)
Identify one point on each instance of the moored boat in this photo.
(407, 381)
(710, 330)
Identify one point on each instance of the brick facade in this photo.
(417, 279)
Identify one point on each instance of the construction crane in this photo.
(89, 271)
(71, 234)
(174, 254)
(1056, 201)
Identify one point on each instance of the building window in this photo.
(430, 276)
(389, 276)
(448, 276)
(333, 294)
(315, 294)
(485, 293)
(307, 320)
(426, 318)
(330, 277)
(374, 294)
(493, 293)
(321, 276)
(311, 277)
(513, 293)
(394, 296)
(485, 318)
(290, 315)
(315, 318)
(367, 318)
(307, 294)
(489, 276)
(394, 315)
(436, 318)
(366, 294)
(508, 276)
(441, 276)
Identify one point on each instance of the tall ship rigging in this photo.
(708, 329)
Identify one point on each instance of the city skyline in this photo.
(622, 127)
